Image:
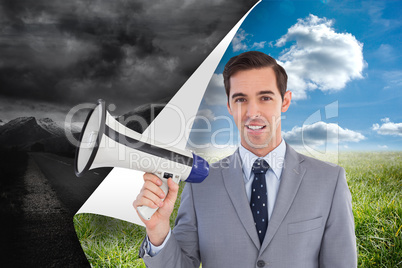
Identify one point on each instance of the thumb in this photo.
(172, 193)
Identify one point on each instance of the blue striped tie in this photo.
(258, 202)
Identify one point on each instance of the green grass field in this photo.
(375, 181)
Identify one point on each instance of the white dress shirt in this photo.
(275, 159)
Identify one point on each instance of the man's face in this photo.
(256, 106)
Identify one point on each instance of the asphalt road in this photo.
(42, 234)
(71, 190)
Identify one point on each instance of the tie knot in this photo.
(260, 166)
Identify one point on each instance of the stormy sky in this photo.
(56, 54)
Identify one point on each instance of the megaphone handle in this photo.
(147, 212)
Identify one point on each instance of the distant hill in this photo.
(140, 118)
(31, 134)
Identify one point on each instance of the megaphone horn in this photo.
(104, 142)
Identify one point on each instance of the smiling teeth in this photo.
(255, 127)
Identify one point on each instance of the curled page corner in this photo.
(115, 195)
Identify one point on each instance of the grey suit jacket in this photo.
(311, 225)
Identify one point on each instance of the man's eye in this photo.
(266, 98)
(240, 100)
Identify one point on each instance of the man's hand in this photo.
(151, 195)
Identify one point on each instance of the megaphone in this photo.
(104, 142)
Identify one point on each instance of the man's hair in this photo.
(254, 60)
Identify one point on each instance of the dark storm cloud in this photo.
(127, 52)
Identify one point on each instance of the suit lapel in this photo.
(234, 184)
(292, 175)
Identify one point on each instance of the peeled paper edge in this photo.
(115, 195)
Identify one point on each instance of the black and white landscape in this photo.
(59, 54)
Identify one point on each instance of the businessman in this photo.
(265, 205)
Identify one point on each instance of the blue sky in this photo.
(345, 71)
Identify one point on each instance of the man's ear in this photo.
(286, 101)
(229, 109)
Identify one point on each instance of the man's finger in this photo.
(152, 187)
(142, 200)
(153, 178)
(152, 197)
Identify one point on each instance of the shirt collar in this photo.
(275, 159)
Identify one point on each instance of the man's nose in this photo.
(253, 110)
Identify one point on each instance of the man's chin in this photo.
(256, 144)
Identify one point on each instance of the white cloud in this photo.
(393, 79)
(321, 133)
(321, 58)
(388, 128)
(383, 146)
(259, 45)
(205, 114)
(238, 41)
(215, 93)
(375, 10)
(386, 53)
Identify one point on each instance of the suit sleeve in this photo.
(338, 248)
(181, 250)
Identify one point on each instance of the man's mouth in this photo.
(255, 127)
